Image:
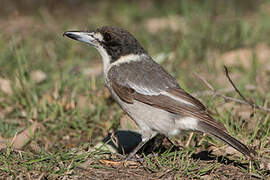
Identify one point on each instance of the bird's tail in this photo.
(225, 137)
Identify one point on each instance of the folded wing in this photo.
(149, 83)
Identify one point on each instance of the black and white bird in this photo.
(146, 92)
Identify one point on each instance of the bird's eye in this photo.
(107, 37)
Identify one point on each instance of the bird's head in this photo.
(111, 42)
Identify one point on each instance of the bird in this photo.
(147, 92)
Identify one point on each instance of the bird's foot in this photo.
(134, 158)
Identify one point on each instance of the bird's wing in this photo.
(148, 82)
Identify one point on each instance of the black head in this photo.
(115, 41)
(119, 42)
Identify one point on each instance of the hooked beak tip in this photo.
(71, 35)
(64, 34)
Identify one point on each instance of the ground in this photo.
(54, 108)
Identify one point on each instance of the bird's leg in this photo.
(189, 139)
(138, 147)
(145, 138)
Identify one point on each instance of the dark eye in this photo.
(107, 37)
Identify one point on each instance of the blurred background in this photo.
(52, 95)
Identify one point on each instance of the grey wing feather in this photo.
(149, 83)
(146, 81)
(145, 76)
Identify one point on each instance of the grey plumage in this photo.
(147, 93)
(145, 74)
(147, 78)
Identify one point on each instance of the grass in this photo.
(74, 111)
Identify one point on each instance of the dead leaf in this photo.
(5, 86)
(131, 164)
(239, 57)
(206, 177)
(110, 163)
(24, 136)
(56, 90)
(35, 147)
(244, 56)
(262, 51)
(19, 140)
(174, 23)
(66, 103)
(23, 113)
(38, 76)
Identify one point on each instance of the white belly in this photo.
(149, 118)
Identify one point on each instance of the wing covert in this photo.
(148, 82)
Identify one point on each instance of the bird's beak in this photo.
(87, 37)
